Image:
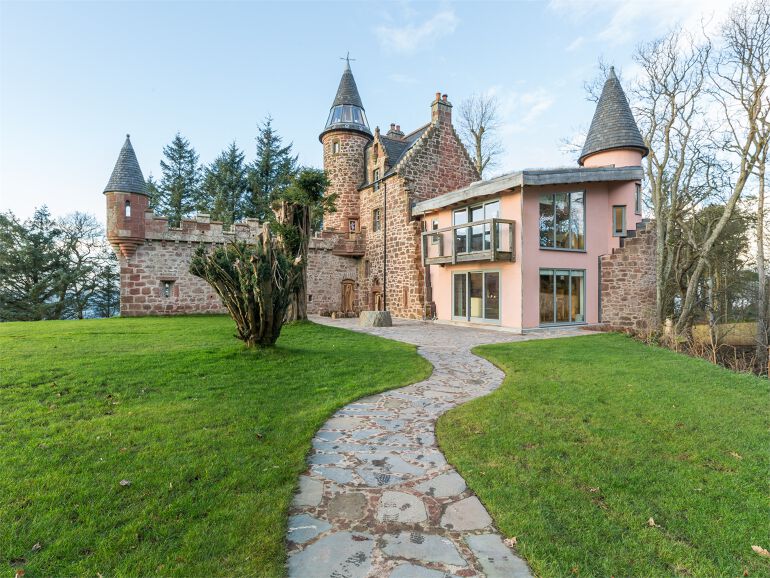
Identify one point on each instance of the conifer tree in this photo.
(32, 268)
(106, 297)
(270, 173)
(153, 192)
(179, 185)
(225, 185)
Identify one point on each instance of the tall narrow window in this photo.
(376, 179)
(128, 209)
(619, 221)
(166, 288)
(562, 221)
(376, 219)
(434, 226)
(638, 199)
(336, 147)
(353, 225)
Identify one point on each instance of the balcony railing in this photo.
(489, 240)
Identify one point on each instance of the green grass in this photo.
(211, 436)
(590, 437)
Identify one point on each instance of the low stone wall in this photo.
(628, 283)
(326, 273)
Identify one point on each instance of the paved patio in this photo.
(379, 499)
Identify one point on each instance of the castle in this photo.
(417, 233)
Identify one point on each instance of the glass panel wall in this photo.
(562, 296)
(492, 296)
(562, 221)
(477, 231)
(476, 296)
(459, 295)
(460, 217)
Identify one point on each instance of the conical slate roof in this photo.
(347, 110)
(127, 176)
(613, 125)
(347, 92)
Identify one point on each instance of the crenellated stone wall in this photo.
(628, 283)
(156, 280)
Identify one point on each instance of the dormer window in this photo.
(128, 209)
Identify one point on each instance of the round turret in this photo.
(127, 201)
(345, 138)
(614, 137)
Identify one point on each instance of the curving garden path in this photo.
(379, 499)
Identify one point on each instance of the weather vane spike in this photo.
(347, 58)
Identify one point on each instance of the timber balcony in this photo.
(489, 240)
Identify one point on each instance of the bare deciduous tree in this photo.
(668, 103)
(479, 124)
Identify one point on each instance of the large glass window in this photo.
(346, 113)
(562, 296)
(477, 237)
(562, 221)
(476, 296)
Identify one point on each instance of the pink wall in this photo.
(510, 272)
(599, 200)
(619, 158)
(520, 280)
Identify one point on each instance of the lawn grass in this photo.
(590, 437)
(210, 436)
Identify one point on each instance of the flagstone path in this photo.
(379, 499)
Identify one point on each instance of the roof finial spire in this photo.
(347, 60)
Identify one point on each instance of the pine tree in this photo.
(270, 173)
(179, 186)
(154, 193)
(225, 185)
(32, 268)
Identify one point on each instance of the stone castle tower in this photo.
(127, 201)
(344, 138)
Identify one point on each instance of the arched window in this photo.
(128, 208)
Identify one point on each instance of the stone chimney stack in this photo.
(441, 110)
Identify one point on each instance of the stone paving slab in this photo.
(379, 499)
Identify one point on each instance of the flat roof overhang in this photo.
(527, 177)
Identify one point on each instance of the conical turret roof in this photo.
(127, 176)
(613, 125)
(347, 92)
(347, 110)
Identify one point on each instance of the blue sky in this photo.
(75, 77)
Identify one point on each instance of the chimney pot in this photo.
(443, 97)
(392, 125)
(398, 128)
(438, 96)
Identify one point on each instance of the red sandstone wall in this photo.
(346, 173)
(437, 164)
(628, 283)
(165, 255)
(325, 274)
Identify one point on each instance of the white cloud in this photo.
(632, 20)
(411, 37)
(575, 44)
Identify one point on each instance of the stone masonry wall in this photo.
(628, 283)
(325, 275)
(438, 163)
(345, 170)
(165, 257)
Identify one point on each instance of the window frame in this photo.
(335, 147)
(377, 219)
(468, 211)
(434, 239)
(624, 221)
(554, 271)
(127, 209)
(553, 228)
(638, 199)
(376, 178)
(467, 317)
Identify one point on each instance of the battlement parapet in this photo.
(201, 229)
